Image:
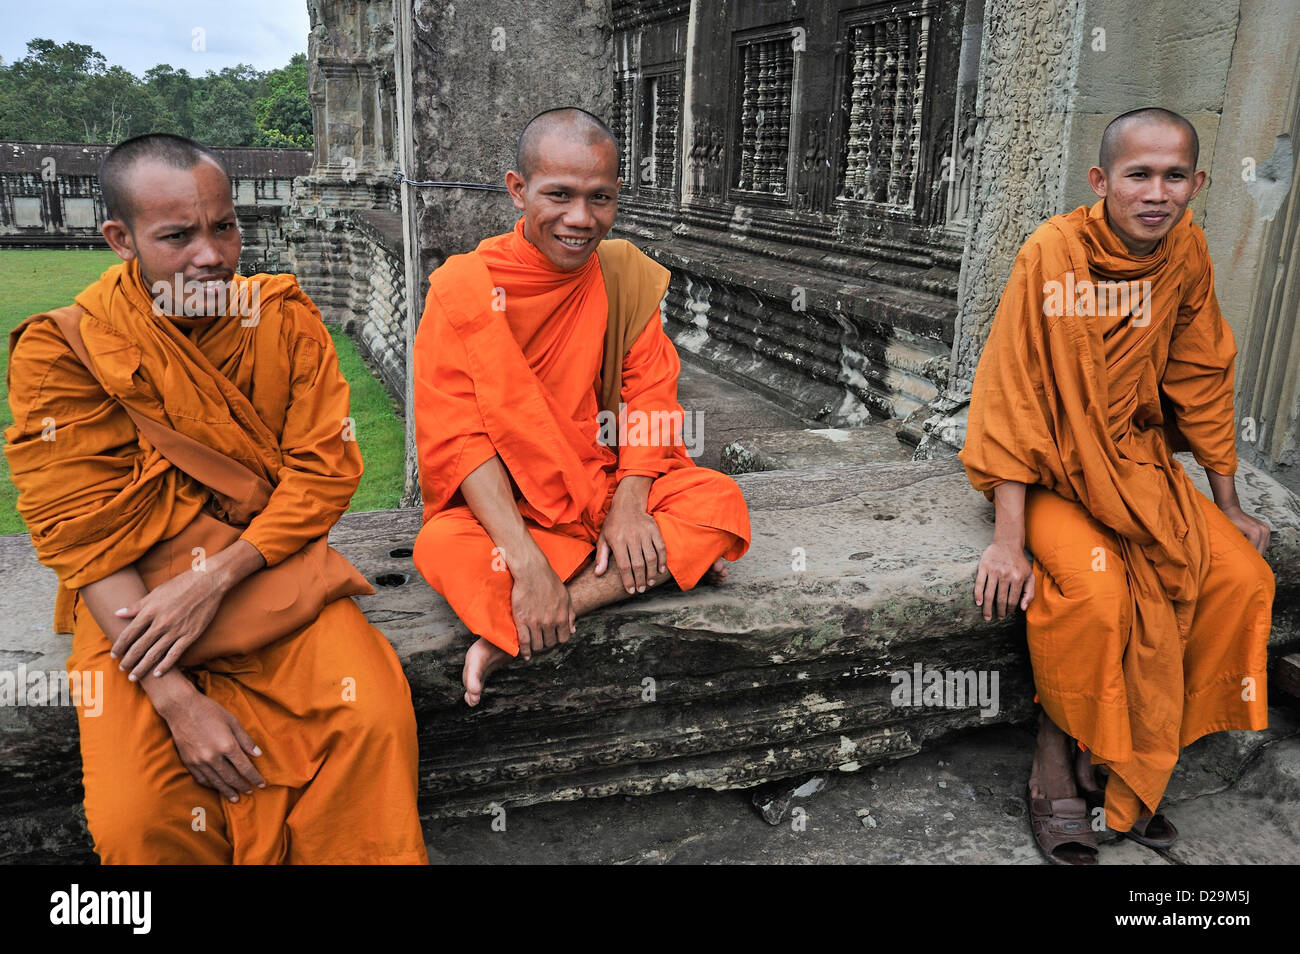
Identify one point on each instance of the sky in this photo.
(138, 34)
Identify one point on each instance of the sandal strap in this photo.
(1061, 821)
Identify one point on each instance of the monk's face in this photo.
(570, 200)
(181, 223)
(1149, 184)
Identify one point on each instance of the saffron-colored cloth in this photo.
(1150, 620)
(331, 711)
(266, 390)
(508, 362)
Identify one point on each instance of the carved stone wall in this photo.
(1028, 61)
(1051, 76)
(1029, 54)
(480, 71)
(352, 91)
(806, 230)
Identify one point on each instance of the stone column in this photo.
(478, 73)
(1029, 57)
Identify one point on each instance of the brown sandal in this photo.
(1062, 823)
(1158, 832)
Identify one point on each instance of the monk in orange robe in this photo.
(301, 747)
(1148, 607)
(547, 420)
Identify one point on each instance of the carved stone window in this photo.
(887, 94)
(663, 95)
(763, 137)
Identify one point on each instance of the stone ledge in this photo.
(812, 448)
(779, 672)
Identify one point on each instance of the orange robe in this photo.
(328, 704)
(509, 363)
(1150, 620)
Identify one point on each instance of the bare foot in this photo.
(717, 573)
(481, 661)
(1085, 776)
(1051, 775)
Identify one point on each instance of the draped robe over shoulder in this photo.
(1097, 361)
(513, 358)
(263, 388)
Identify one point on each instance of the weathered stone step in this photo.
(813, 447)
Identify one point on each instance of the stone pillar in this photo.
(352, 90)
(479, 72)
(1029, 57)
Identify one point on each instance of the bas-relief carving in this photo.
(1028, 63)
(704, 160)
(1027, 67)
(814, 183)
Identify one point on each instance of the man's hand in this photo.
(1252, 528)
(632, 536)
(211, 742)
(541, 606)
(168, 620)
(1223, 487)
(1003, 578)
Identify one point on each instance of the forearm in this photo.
(103, 598)
(488, 495)
(220, 573)
(1224, 489)
(1009, 505)
(633, 491)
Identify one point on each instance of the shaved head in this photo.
(115, 171)
(1112, 140)
(569, 122)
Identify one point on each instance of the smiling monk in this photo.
(181, 447)
(1148, 607)
(527, 348)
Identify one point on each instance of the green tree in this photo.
(172, 91)
(283, 110)
(67, 92)
(46, 88)
(222, 107)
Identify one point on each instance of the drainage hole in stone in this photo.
(400, 553)
(860, 556)
(883, 516)
(391, 579)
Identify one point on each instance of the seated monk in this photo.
(283, 733)
(1147, 607)
(533, 350)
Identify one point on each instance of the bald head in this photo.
(568, 123)
(1121, 127)
(115, 172)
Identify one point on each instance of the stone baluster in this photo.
(918, 104)
(748, 111)
(901, 113)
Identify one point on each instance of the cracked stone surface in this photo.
(1235, 799)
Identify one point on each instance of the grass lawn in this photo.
(36, 280)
